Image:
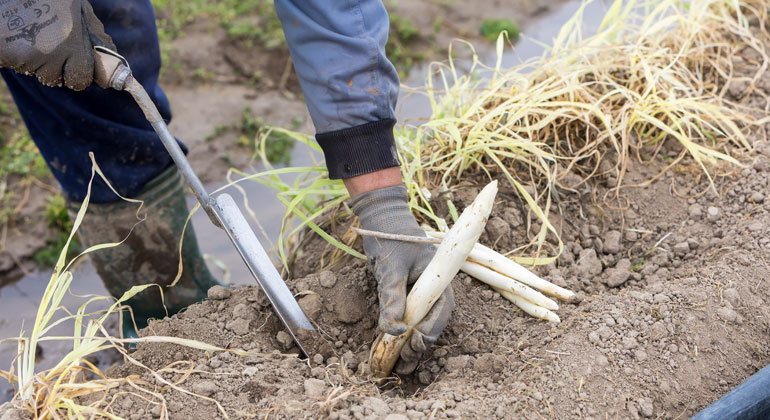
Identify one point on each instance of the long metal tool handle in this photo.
(223, 211)
(177, 155)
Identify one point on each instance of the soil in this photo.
(660, 339)
(670, 315)
(26, 232)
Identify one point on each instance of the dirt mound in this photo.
(657, 332)
(670, 315)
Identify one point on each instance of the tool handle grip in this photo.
(110, 69)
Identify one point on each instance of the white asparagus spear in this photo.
(529, 307)
(501, 282)
(450, 255)
(481, 272)
(492, 259)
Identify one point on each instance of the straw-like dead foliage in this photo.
(75, 387)
(654, 77)
(656, 72)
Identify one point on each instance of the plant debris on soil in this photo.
(671, 311)
(657, 334)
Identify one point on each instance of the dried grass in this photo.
(656, 72)
(60, 392)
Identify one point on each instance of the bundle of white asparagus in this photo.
(459, 250)
(513, 281)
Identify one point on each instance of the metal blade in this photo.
(112, 70)
(263, 270)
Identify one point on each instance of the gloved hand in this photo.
(397, 264)
(51, 39)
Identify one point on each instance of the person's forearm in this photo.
(358, 185)
(351, 88)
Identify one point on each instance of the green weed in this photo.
(227, 157)
(278, 144)
(491, 29)
(56, 215)
(203, 75)
(400, 48)
(438, 22)
(403, 28)
(19, 155)
(57, 219)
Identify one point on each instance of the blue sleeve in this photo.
(338, 50)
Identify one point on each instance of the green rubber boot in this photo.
(151, 252)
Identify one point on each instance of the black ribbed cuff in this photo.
(359, 150)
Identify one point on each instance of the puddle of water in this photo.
(19, 300)
(414, 106)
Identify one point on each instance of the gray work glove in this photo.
(51, 39)
(397, 264)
